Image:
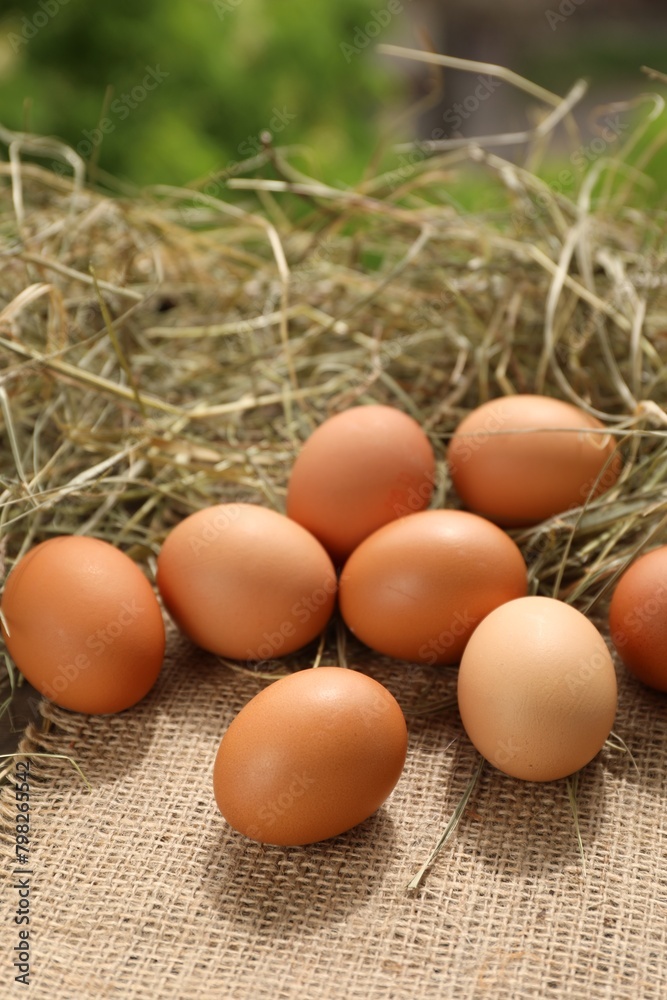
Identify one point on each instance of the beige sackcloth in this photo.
(141, 890)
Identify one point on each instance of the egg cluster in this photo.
(318, 751)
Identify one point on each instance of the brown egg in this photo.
(359, 470)
(83, 625)
(638, 618)
(521, 459)
(416, 588)
(537, 689)
(310, 757)
(245, 582)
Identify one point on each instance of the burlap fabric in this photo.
(140, 889)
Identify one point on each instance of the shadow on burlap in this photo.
(140, 889)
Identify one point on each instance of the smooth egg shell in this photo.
(416, 588)
(245, 582)
(638, 618)
(83, 624)
(359, 470)
(310, 756)
(521, 459)
(537, 689)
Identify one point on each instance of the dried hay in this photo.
(167, 350)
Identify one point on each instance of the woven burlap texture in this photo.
(140, 889)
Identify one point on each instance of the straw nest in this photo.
(172, 349)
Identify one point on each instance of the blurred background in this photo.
(155, 92)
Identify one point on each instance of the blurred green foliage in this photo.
(168, 92)
(230, 69)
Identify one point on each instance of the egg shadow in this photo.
(22, 709)
(107, 748)
(528, 827)
(260, 887)
(206, 691)
(517, 828)
(230, 684)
